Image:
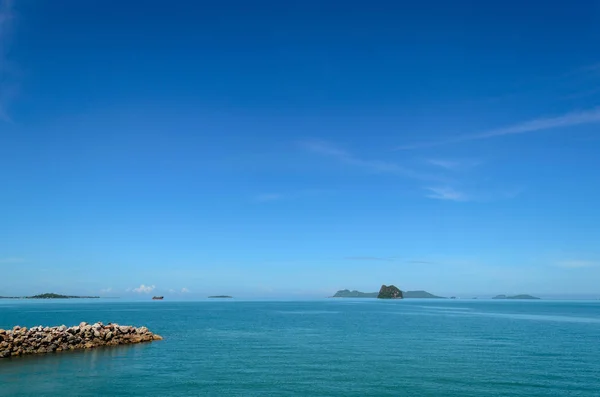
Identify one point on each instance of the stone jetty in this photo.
(23, 341)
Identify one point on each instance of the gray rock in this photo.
(20, 341)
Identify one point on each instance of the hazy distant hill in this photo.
(522, 296)
(421, 295)
(345, 293)
(50, 296)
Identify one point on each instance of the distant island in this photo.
(345, 293)
(50, 296)
(389, 292)
(522, 296)
(420, 295)
(221, 297)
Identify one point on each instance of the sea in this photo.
(330, 347)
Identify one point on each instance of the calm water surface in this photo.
(319, 348)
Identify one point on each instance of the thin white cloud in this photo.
(368, 258)
(291, 195)
(453, 164)
(144, 289)
(106, 290)
(452, 194)
(448, 164)
(12, 260)
(446, 193)
(345, 157)
(540, 124)
(7, 86)
(185, 290)
(576, 264)
(582, 94)
(266, 197)
(586, 70)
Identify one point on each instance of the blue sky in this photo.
(296, 148)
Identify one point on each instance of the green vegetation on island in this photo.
(50, 296)
(59, 296)
(389, 292)
(221, 297)
(521, 296)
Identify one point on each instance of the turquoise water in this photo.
(319, 348)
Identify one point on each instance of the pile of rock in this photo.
(20, 340)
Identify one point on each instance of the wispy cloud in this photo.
(593, 69)
(421, 262)
(453, 164)
(185, 290)
(368, 258)
(377, 166)
(266, 197)
(144, 289)
(106, 290)
(446, 193)
(576, 264)
(12, 260)
(7, 86)
(291, 195)
(582, 94)
(462, 195)
(540, 124)
(447, 164)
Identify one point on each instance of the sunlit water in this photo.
(319, 348)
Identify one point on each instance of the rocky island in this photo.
(389, 292)
(220, 297)
(345, 293)
(23, 341)
(522, 296)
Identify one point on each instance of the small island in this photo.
(50, 296)
(389, 292)
(521, 296)
(220, 297)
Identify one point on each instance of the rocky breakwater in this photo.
(22, 341)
